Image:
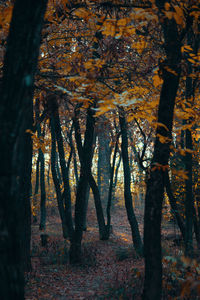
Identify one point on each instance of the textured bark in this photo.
(155, 181)
(127, 185)
(15, 107)
(103, 171)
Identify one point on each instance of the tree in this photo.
(15, 119)
(171, 69)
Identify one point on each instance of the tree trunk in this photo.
(56, 181)
(116, 177)
(173, 205)
(103, 171)
(110, 192)
(155, 182)
(42, 192)
(127, 186)
(16, 104)
(188, 160)
(85, 154)
(65, 177)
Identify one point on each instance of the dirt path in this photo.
(106, 273)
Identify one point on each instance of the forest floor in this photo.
(110, 269)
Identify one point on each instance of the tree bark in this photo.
(155, 182)
(16, 104)
(42, 191)
(85, 154)
(103, 165)
(127, 188)
(65, 177)
(110, 192)
(56, 181)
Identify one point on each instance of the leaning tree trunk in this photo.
(155, 183)
(127, 188)
(16, 100)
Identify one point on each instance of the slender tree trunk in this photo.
(103, 171)
(110, 192)
(116, 177)
(42, 192)
(85, 155)
(155, 182)
(16, 103)
(127, 188)
(37, 177)
(67, 192)
(173, 205)
(56, 181)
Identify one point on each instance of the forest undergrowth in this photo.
(110, 269)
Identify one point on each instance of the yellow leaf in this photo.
(122, 22)
(157, 80)
(191, 60)
(167, 6)
(81, 13)
(169, 14)
(163, 139)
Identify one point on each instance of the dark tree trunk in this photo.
(16, 104)
(75, 168)
(56, 181)
(42, 192)
(110, 192)
(37, 181)
(127, 188)
(189, 197)
(25, 189)
(155, 181)
(57, 166)
(116, 177)
(85, 154)
(173, 205)
(65, 177)
(37, 177)
(41, 172)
